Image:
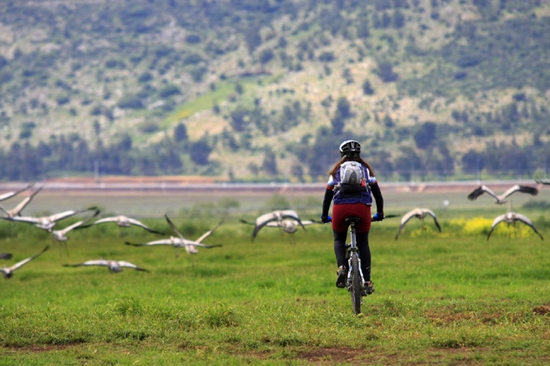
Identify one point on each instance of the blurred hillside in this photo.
(264, 90)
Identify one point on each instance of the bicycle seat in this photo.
(353, 219)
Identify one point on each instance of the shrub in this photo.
(145, 77)
(169, 91)
(130, 102)
(193, 59)
(63, 99)
(193, 39)
(327, 57)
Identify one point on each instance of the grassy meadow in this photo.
(441, 298)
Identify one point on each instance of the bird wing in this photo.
(17, 209)
(69, 228)
(151, 243)
(431, 213)
(131, 265)
(174, 228)
(8, 195)
(262, 221)
(265, 218)
(523, 189)
(82, 224)
(510, 191)
(78, 224)
(6, 255)
(291, 214)
(139, 223)
(207, 246)
(310, 222)
(479, 191)
(25, 261)
(190, 246)
(94, 262)
(106, 219)
(528, 222)
(209, 232)
(496, 221)
(27, 219)
(69, 213)
(409, 215)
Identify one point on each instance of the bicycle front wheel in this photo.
(355, 289)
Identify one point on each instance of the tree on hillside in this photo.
(338, 123)
(472, 162)
(323, 154)
(367, 88)
(180, 133)
(200, 151)
(343, 112)
(385, 72)
(363, 30)
(253, 38)
(239, 119)
(266, 56)
(343, 108)
(269, 164)
(425, 135)
(408, 164)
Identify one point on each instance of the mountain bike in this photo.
(355, 282)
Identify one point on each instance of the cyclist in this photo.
(352, 204)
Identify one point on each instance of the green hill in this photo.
(265, 90)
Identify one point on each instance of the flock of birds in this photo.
(287, 220)
(510, 218)
(48, 223)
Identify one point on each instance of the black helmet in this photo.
(350, 148)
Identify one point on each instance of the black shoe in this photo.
(369, 288)
(342, 274)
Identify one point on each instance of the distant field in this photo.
(155, 200)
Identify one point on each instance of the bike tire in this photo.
(355, 291)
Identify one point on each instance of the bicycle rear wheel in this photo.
(355, 290)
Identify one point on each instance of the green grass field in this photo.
(441, 298)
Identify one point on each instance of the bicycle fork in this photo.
(352, 250)
(350, 266)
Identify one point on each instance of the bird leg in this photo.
(292, 240)
(66, 248)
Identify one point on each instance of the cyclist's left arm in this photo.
(329, 194)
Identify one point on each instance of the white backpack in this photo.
(352, 177)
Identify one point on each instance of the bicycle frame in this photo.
(354, 283)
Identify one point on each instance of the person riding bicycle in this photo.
(356, 203)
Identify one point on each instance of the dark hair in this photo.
(350, 158)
